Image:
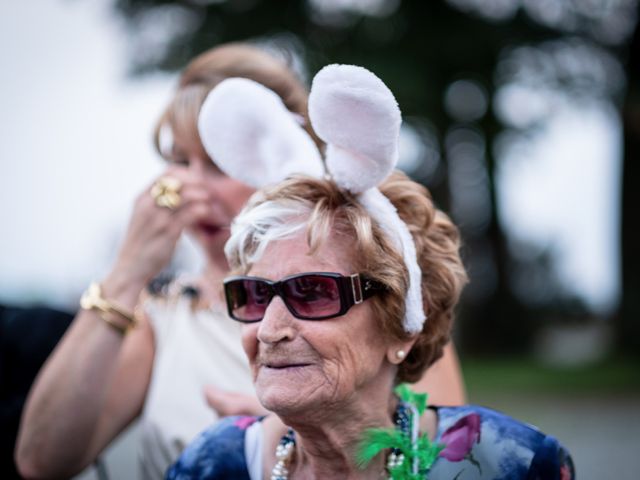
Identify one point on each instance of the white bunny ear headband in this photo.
(253, 138)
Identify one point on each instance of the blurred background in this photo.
(521, 116)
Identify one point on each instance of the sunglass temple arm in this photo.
(356, 288)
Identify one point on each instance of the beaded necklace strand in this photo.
(402, 419)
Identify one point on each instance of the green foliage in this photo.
(489, 378)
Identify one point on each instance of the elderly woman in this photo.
(332, 281)
(185, 355)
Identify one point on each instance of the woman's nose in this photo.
(278, 324)
(197, 165)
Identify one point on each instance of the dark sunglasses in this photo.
(308, 296)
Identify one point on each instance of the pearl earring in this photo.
(400, 354)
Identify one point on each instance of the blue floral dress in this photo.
(479, 444)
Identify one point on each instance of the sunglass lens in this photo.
(248, 299)
(312, 296)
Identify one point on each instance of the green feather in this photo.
(424, 452)
(374, 441)
(418, 400)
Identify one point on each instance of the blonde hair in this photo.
(321, 208)
(210, 68)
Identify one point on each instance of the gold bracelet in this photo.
(118, 327)
(92, 299)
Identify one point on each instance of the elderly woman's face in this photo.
(298, 364)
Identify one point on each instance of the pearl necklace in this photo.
(287, 444)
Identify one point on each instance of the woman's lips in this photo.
(289, 365)
(209, 228)
(275, 361)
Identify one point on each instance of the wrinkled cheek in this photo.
(338, 379)
(354, 372)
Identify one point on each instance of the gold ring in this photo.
(166, 192)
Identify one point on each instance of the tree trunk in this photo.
(628, 320)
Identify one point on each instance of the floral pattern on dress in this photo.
(480, 444)
(459, 439)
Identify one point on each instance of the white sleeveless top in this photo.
(193, 348)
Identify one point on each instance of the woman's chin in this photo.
(287, 398)
(287, 409)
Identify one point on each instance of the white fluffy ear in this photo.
(249, 133)
(358, 117)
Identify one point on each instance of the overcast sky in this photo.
(76, 136)
(76, 150)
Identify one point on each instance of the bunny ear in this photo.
(249, 133)
(359, 119)
(355, 113)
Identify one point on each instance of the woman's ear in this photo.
(398, 351)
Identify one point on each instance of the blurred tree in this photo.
(628, 319)
(440, 58)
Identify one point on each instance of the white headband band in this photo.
(251, 135)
